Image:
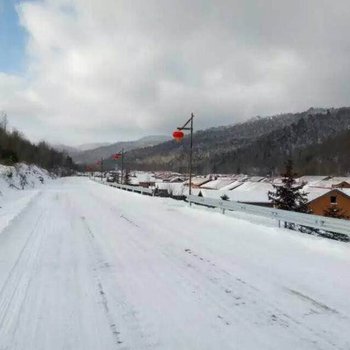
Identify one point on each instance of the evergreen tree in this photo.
(8, 156)
(289, 195)
(225, 197)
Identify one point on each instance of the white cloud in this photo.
(110, 70)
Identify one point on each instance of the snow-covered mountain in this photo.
(90, 146)
(258, 146)
(92, 155)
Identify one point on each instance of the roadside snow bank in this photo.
(22, 176)
(18, 185)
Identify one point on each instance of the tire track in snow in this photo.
(100, 289)
(269, 313)
(129, 221)
(134, 331)
(317, 304)
(139, 334)
(14, 290)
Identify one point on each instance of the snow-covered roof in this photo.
(163, 185)
(241, 177)
(177, 178)
(250, 192)
(311, 179)
(198, 180)
(176, 188)
(344, 190)
(218, 183)
(166, 175)
(232, 185)
(315, 192)
(329, 183)
(134, 181)
(142, 177)
(256, 178)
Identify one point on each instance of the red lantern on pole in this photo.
(178, 135)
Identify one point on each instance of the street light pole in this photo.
(190, 128)
(122, 165)
(101, 169)
(191, 151)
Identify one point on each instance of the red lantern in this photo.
(178, 135)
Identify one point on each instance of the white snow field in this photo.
(86, 266)
(18, 186)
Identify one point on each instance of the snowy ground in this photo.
(86, 266)
(18, 186)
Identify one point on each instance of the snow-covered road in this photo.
(85, 266)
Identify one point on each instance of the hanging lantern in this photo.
(116, 156)
(178, 135)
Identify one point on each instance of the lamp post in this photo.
(100, 163)
(122, 156)
(178, 136)
(118, 156)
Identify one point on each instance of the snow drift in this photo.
(18, 185)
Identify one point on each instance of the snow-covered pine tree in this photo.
(289, 195)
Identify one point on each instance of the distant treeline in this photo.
(14, 148)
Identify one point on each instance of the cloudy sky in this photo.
(76, 71)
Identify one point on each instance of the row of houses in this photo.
(323, 192)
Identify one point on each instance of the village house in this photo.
(321, 201)
(198, 181)
(248, 192)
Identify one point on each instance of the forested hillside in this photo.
(94, 154)
(302, 141)
(14, 148)
(330, 157)
(259, 146)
